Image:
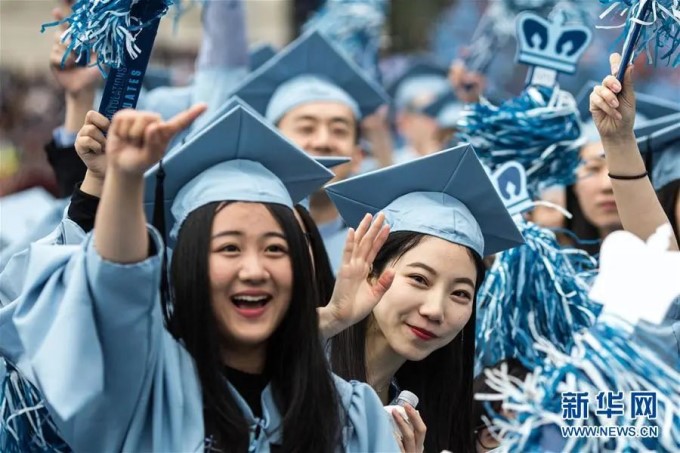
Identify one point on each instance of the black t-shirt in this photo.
(250, 387)
(68, 168)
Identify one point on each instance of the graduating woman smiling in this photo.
(237, 364)
(445, 216)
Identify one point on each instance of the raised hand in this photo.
(73, 79)
(612, 105)
(137, 140)
(91, 143)
(411, 435)
(354, 296)
(468, 85)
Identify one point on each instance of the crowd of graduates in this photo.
(264, 258)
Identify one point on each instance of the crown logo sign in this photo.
(511, 184)
(552, 45)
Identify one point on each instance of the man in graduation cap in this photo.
(316, 96)
(420, 85)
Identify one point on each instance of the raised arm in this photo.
(613, 110)
(136, 141)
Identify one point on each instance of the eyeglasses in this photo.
(487, 442)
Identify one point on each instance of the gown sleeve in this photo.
(93, 341)
(13, 275)
(367, 425)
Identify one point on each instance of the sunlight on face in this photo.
(251, 275)
(430, 300)
(326, 129)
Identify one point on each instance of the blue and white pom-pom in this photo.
(107, 29)
(602, 359)
(660, 31)
(25, 424)
(537, 291)
(540, 129)
(356, 26)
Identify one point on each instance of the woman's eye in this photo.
(464, 295)
(276, 248)
(419, 279)
(228, 248)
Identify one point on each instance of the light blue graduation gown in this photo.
(26, 217)
(334, 235)
(90, 335)
(662, 339)
(12, 277)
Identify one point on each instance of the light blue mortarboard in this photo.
(421, 77)
(237, 157)
(447, 195)
(310, 69)
(259, 55)
(331, 161)
(446, 109)
(661, 139)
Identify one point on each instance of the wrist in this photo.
(77, 106)
(617, 140)
(93, 184)
(329, 324)
(123, 176)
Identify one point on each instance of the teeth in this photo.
(250, 298)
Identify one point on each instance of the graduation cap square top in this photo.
(237, 157)
(259, 55)
(446, 109)
(422, 76)
(310, 69)
(235, 101)
(659, 141)
(448, 195)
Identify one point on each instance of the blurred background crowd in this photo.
(31, 102)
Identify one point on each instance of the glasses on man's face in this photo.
(485, 439)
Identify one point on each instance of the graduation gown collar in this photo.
(263, 431)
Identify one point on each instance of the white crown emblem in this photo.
(553, 45)
(511, 183)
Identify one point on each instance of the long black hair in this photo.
(588, 234)
(301, 381)
(442, 381)
(323, 272)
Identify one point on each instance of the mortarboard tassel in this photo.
(601, 359)
(538, 290)
(539, 129)
(159, 224)
(651, 26)
(25, 424)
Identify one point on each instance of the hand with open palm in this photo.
(355, 295)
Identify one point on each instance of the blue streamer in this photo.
(107, 29)
(25, 424)
(660, 34)
(356, 26)
(538, 291)
(540, 129)
(601, 359)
